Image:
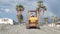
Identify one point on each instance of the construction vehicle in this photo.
(32, 19)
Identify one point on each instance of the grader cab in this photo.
(33, 19)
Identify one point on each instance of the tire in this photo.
(38, 27)
(27, 27)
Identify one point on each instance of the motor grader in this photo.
(32, 19)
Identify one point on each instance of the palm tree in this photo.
(19, 9)
(40, 3)
(55, 19)
(52, 18)
(40, 7)
(46, 21)
(44, 9)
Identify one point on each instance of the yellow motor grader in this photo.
(32, 19)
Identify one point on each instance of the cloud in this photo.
(4, 10)
(10, 4)
(49, 14)
(7, 10)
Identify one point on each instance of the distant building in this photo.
(51, 25)
(6, 21)
(57, 24)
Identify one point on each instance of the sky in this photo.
(8, 8)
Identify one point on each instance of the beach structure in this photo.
(6, 21)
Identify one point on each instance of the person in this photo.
(33, 19)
